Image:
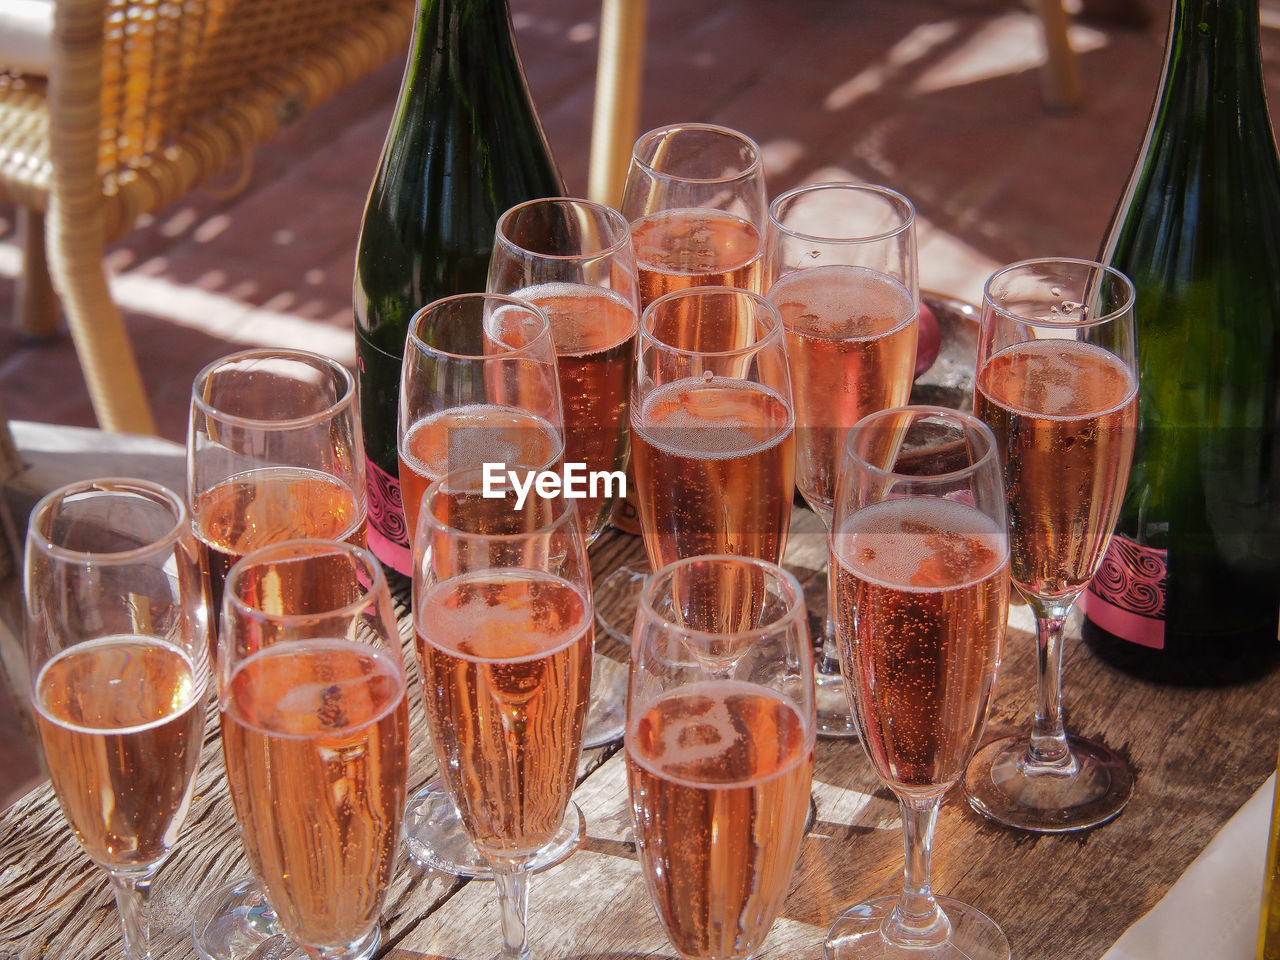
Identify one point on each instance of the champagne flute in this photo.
(274, 452)
(921, 587)
(479, 384)
(503, 617)
(1058, 384)
(720, 739)
(712, 427)
(117, 649)
(574, 259)
(695, 196)
(315, 732)
(841, 269)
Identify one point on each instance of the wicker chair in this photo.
(145, 100)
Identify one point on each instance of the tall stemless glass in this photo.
(118, 655)
(921, 560)
(504, 624)
(720, 739)
(712, 427)
(479, 383)
(1058, 384)
(315, 732)
(274, 452)
(840, 267)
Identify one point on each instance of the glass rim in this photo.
(729, 133)
(795, 610)
(894, 196)
(1065, 324)
(965, 420)
(619, 225)
(301, 548)
(776, 332)
(158, 493)
(509, 352)
(318, 361)
(565, 517)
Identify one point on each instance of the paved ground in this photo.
(940, 99)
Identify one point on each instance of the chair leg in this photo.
(617, 107)
(36, 310)
(1061, 78)
(97, 329)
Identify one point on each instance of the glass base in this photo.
(615, 599)
(236, 921)
(831, 701)
(1091, 789)
(435, 839)
(858, 934)
(607, 711)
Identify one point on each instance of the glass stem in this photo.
(829, 662)
(1048, 738)
(917, 920)
(512, 881)
(133, 897)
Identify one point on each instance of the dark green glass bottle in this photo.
(1190, 589)
(464, 144)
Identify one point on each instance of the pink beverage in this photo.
(921, 593)
(682, 248)
(315, 736)
(505, 657)
(720, 774)
(465, 437)
(1064, 413)
(715, 469)
(851, 344)
(261, 507)
(122, 722)
(594, 332)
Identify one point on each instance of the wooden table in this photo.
(1199, 754)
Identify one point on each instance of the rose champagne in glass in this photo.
(315, 733)
(1057, 383)
(921, 590)
(117, 651)
(841, 269)
(720, 739)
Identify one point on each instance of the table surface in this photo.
(1199, 754)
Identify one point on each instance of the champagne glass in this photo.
(274, 452)
(315, 732)
(479, 384)
(695, 196)
(503, 617)
(841, 269)
(1058, 385)
(720, 739)
(117, 650)
(921, 588)
(712, 427)
(574, 260)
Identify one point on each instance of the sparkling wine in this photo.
(921, 592)
(851, 343)
(315, 736)
(720, 773)
(261, 507)
(466, 437)
(594, 331)
(681, 248)
(714, 464)
(1064, 414)
(121, 720)
(505, 658)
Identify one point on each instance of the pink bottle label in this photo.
(1126, 597)
(388, 533)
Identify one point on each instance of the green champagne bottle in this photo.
(464, 145)
(1189, 591)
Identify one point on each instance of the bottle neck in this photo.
(453, 26)
(1213, 60)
